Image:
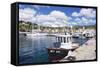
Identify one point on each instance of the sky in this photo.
(57, 16)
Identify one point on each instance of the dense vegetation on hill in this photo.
(25, 27)
(28, 26)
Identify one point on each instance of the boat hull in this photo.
(57, 53)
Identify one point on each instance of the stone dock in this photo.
(86, 51)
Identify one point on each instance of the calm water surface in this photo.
(33, 49)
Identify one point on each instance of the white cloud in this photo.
(77, 19)
(39, 6)
(48, 20)
(54, 19)
(45, 18)
(87, 12)
(58, 18)
(84, 21)
(88, 21)
(75, 14)
(47, 24)
(91, 20)
(58, 14)
(26, 14)
(69, 18)
(86, 16)
(72, 24)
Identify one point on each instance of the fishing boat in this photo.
(89, 33)
(66, 45)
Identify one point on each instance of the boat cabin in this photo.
(63, 38)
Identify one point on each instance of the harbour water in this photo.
(34, 49)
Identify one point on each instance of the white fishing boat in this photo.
(66, 46)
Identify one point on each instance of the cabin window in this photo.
(57, 51)
(64, 40)
(61, 39)
(58, 39)
(70, 39)
(52, 51)
(67, 39)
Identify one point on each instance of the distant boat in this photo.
(62, 51)
(23, 33)
(76, 35)
(36, 34)
(89, 33)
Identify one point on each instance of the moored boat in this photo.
(65, 47)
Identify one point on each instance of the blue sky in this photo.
(55, 15)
